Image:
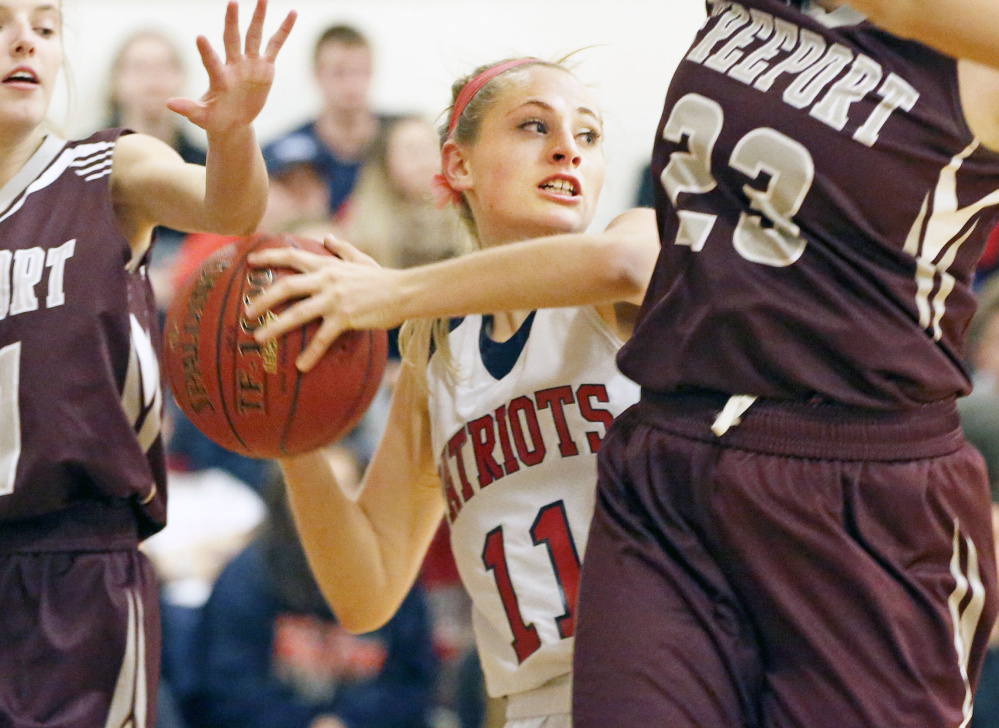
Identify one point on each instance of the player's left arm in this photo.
(961, 28)
(153, 186)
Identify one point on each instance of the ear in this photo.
(455, 166)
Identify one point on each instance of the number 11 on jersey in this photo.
(550, 528)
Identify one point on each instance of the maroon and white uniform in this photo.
(822, 207)
(824, 557)
(81, 458)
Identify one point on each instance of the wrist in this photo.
(405, 304)
(237, 137)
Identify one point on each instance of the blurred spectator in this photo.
(391, 215)
(988, 264)
(461, 692)
(146, 71)
(339, 138)
(980, 420)
(983, 337)
(272, 655)
(645, 195)
(211, 517)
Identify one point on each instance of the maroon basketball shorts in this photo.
(812, 567)
(79, 636)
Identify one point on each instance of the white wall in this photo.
(421, 46)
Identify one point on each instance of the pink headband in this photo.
(441, 189)
(475, 85)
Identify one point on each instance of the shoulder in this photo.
(979, 87)
(132, 148)
(295, 142)
(139, 158)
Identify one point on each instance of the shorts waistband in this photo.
(812, 430)
(84, 526)
(552, 698)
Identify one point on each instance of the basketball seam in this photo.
(290, 421)
(218, 354)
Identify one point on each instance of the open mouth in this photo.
(561, 186)
(21, 76)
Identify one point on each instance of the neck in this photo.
(347, 133)
(16, 151)
(345, 119)
(506, 324)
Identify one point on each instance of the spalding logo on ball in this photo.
(250, 397)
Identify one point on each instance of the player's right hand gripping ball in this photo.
(249, 397)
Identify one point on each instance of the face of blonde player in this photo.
(537, 165)
(30, 58)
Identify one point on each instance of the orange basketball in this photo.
(249, 397)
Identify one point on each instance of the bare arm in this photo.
(367, 553)
(562, 270)
(151, 183)
(961, 28)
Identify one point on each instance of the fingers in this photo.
(301, 260)
(210, 59)
(297, 314)
(280, 36)
(283, 289)
(345, 251)
(185, 107)
(255, 32)
(230, 36)
(318, 346)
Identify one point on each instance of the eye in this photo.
(590, 136)
(45, 32)
(535, 125)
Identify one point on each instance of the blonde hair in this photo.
(419, 339)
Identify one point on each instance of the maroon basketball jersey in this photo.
(822, 204)
(80, 396)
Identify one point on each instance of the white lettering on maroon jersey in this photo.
(22, 270)
(755, 38)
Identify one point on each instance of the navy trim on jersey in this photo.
(500, 356)
(451, 326)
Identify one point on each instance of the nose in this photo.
(564, 148)
(22, 42)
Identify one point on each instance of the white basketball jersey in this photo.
(516, 435)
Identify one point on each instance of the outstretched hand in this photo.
(238, 88)
(347, 290)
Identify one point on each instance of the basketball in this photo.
(249, 397)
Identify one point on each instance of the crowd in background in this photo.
(248, 639)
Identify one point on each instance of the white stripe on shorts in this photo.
(966, 620)
(128, 705)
